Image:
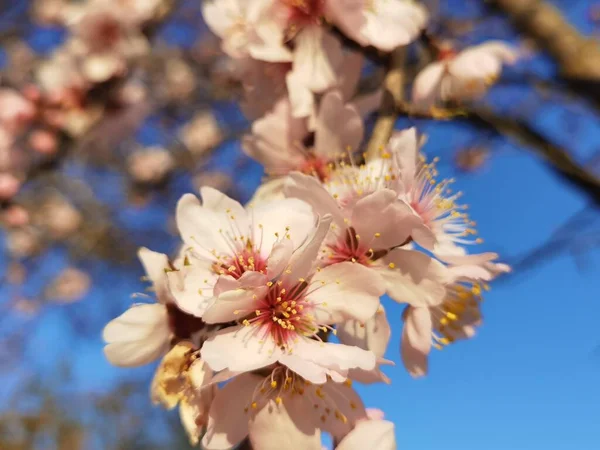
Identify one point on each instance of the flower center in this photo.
(304, 12)
(245, 260)
(460, 310)
(284, 313)
(317, 167)
(349, 247)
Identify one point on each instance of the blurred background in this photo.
(99, 151)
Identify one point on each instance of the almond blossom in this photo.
(283, 143)
(104, 39)
(432, 200)
(248, 29)
(280, 409)
(461, 77)
(144, 332)
(281, 320)
(369, 228)
(228, 246)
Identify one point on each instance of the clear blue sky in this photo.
(529, 380)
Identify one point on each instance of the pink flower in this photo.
(15, 110)
(202, 134)
(247, 28)
(106, 40)
(281, 411)
(279, 141)
(9, 186)
(370, 224)
(150, 165)
(238, 247)
(462, 77)
(70, 286)
(432, 200)
(142, 333)
(282, 318)
(384, 24)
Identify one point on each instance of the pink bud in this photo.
(9, 186)
(15, 216)
(32, 93)
(43, 141)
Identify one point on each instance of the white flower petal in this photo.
(138, 336)
(345, 291)
(239, 349)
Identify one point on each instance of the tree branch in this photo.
(394, 94)
(577, 56)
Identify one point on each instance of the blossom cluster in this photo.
(246, 314)
(59, 99)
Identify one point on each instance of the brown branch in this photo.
(577, 56)
(394, 94)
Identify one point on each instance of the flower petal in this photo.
(345, 291)
(375, 434)
(413, 277)
(138, 336)
(192, 287)
(304, 259)
(373, 335)
(155, 264)
(310, 190)
(233, 305)
(334, 356)
(339, 127)
(279, 258)
(275, 427)
(239, 349)
(227, 420)
(277, 219)
(416, 340)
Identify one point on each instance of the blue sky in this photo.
(530, 378)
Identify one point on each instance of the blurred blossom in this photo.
(217, 180)
(471, 159)
(43, 141)
(70, 286)
(132, 92)
(26, 306)
(105, 38)
(48, 12)
(59, 218)
(15, 216)
(16, 273)
(150, 165)
(15, 110)
(202, 133)
(461, 76)
(180, 80)
(60, 73)
(23, 242)
(9, 186)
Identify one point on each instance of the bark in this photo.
(577, 56)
